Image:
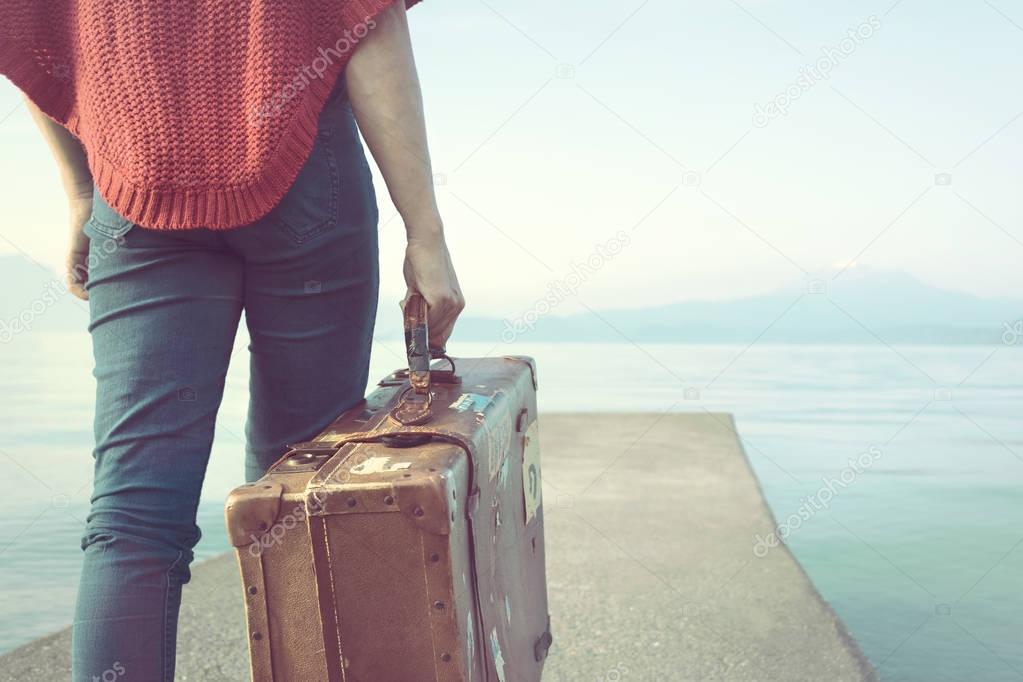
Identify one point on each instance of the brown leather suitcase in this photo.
(405, 543)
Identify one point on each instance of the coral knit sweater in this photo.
(193, 114)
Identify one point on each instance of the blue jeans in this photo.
(165, 306)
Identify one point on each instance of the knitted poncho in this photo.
(197, 113)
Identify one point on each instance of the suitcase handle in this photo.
(417, 339)
(413, 406)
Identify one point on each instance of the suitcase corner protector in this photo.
(251, 509)
(428, 505)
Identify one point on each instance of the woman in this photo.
(211, 158)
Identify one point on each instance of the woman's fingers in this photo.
(429, 271)
(443, 314)
(76, 264)
(76, 273)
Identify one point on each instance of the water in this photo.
(920, 553)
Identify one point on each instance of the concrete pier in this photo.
(650, 525)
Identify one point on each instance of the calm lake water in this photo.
(921, 553)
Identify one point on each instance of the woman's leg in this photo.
(164, 312)
(311, 284)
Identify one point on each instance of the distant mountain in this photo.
(860, 305)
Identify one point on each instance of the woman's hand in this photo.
(77, 181)
(76, 269)
(429, 271)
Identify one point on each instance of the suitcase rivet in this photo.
(445, 657)
(257, 636)
(438, 605)
(388, 500)
(350, 502)
(435, 557)
(419, 511)
(253, 590)
(263, 525)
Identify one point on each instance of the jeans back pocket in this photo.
(105, 221)
(310, 206)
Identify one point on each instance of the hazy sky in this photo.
(556, 126)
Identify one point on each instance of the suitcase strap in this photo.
(447, 436)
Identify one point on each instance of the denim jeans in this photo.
(165, 306)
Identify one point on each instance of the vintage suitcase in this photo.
(405, 543)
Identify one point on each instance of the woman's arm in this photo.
(383, 87)
(77, 181)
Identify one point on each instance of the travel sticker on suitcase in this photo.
(531, 470)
